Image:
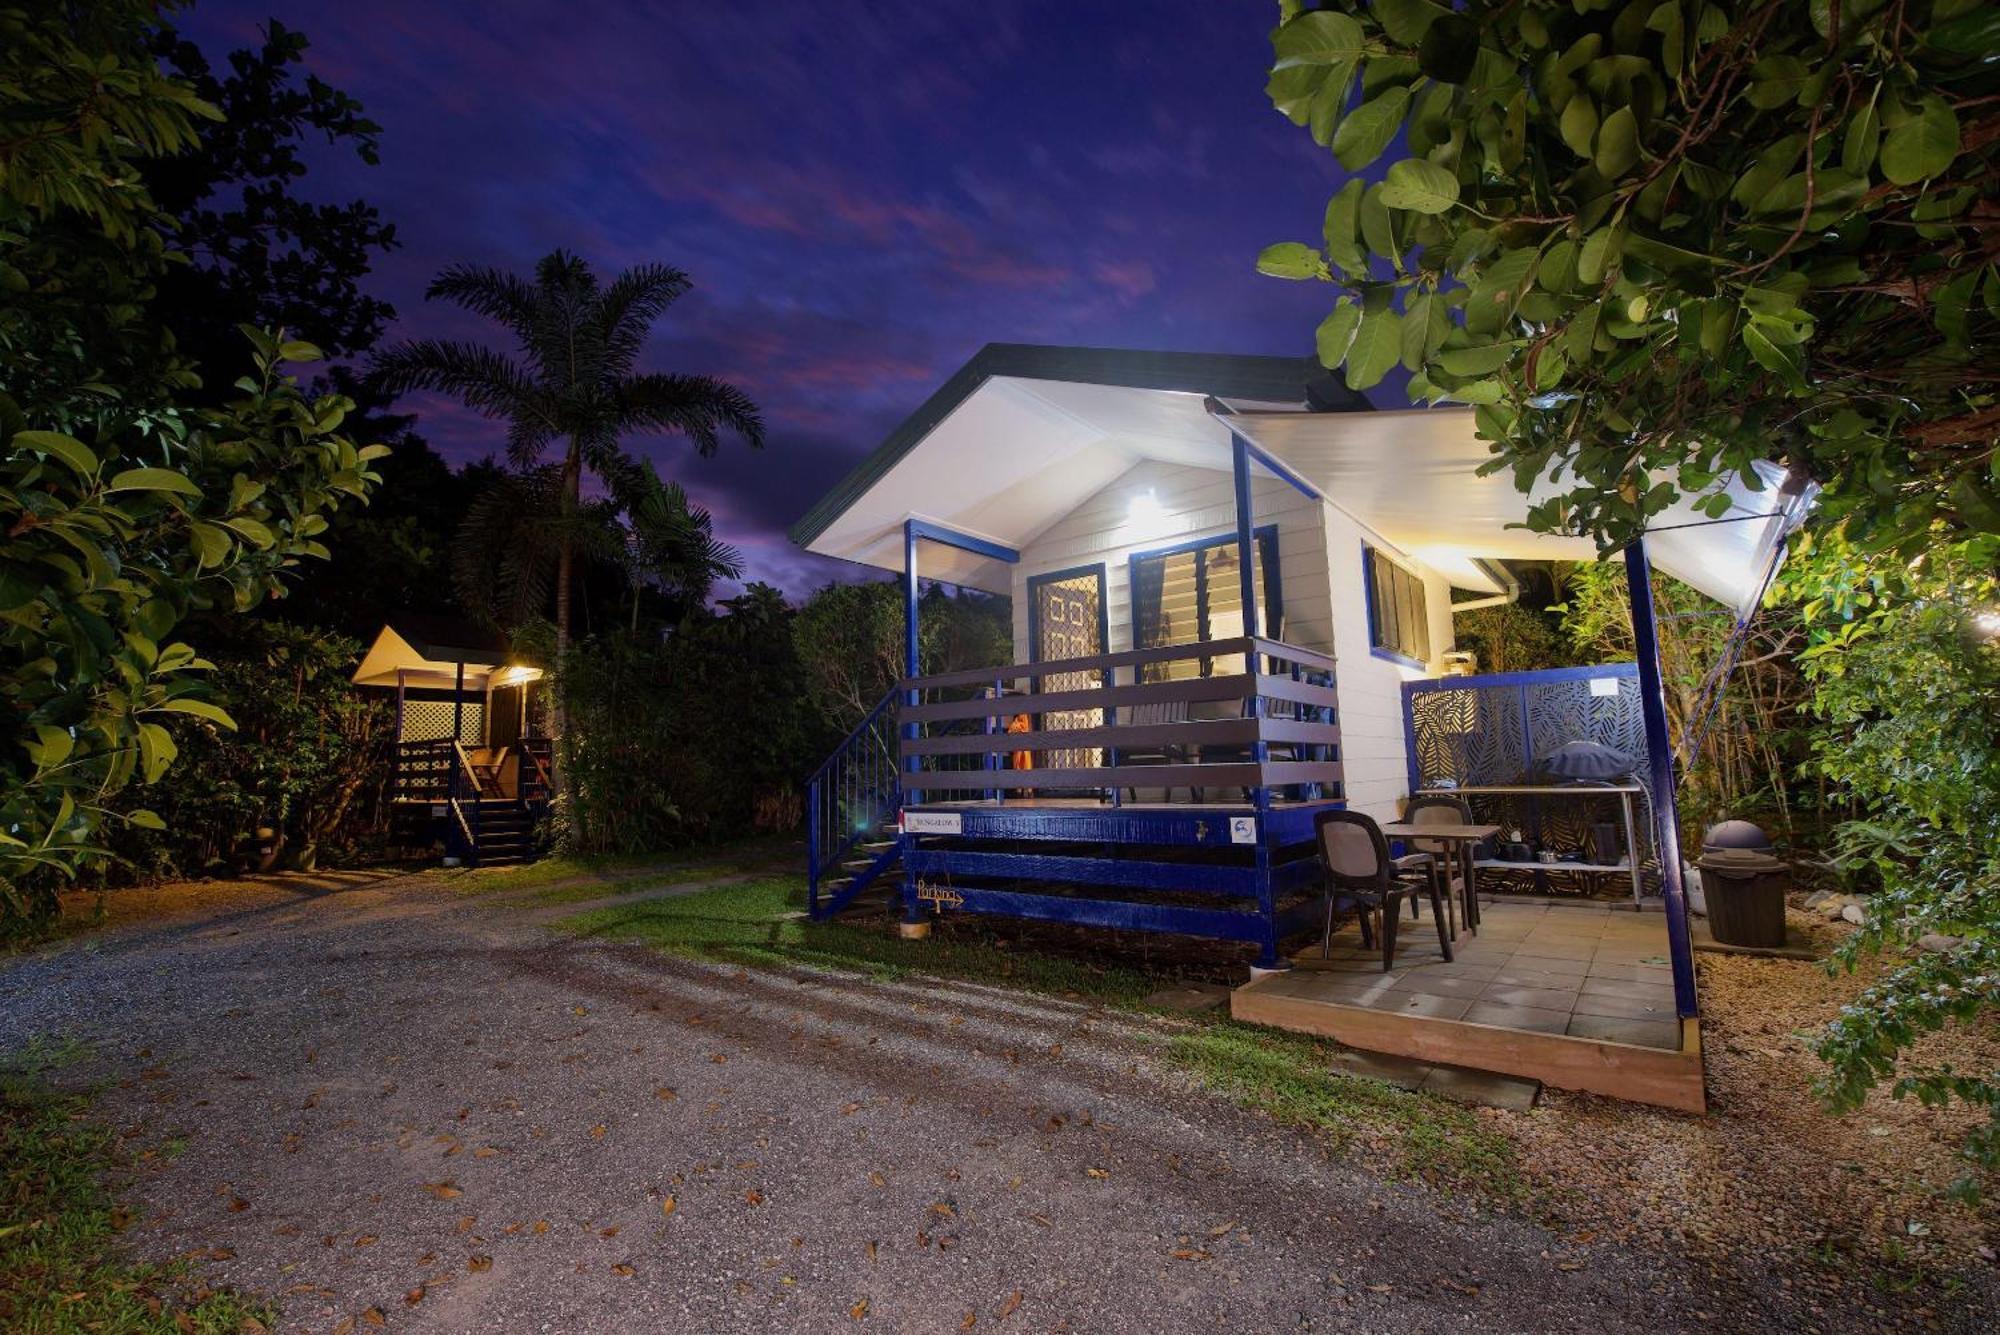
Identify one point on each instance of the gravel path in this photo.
(393, 1104)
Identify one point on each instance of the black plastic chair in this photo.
(1359, 868)
(1443, 809)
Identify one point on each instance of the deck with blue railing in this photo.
(1048, 791)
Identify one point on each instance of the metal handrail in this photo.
(867, 719)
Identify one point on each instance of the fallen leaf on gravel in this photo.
(859, 1310)
(465, 1223)
(1569, 1265)
(753, 1197)
(611, 1232)
(1007, 1308)
(579, 1010)
(597, 1132)
(878, 1179)
(871, 1253)
(221, 1254)
(344, 1327)
(971, 1320)
(665, 1093)
(718, 1058)
(1096, 1172)
(1381, 1288)
(622, 1269)
(237, 1205)
(366, 1240)
(541, 1226)
(849, 1109)
(373, 1317)
(414, 1296)
(1221, 1229)
(1191, 1254)
(669, 1205)
(444, 1191)
(479, 1265)
(1041, 1219)
(484, 1152)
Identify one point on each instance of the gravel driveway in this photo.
(391, 1103)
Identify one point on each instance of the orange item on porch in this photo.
(1021, 759)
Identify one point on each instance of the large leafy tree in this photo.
(123, 508)
(575, 393)
(258, 251)
(1654, 241)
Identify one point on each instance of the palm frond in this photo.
(493, 293)
(485, 381)
(698, 406)
(504, 556)
(629, 306)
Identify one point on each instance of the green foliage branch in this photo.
(123, 508)
(1657, 241)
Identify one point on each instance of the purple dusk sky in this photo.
(864, 194)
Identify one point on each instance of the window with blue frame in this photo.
(1399, 626)
(1193, 593)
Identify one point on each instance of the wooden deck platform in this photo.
(1575, 996)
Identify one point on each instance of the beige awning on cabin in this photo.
(431, 651)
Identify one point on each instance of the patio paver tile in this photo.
(1614, 987)
(1402, 1072)
(1482, 1087)
(1419, 1003)
(1561, 950)
(1550, 998)
(1432, 983)
(1624, 1008)
(1551, 963)
(1534, 1019)
(1523, 975)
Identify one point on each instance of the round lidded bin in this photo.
(1745, 892)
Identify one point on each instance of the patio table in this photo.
(1461, 838)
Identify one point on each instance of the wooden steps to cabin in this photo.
(874, 863)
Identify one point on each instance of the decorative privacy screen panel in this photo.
(1472, 732)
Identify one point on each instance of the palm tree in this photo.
(574, 385)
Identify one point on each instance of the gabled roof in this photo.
(1023, 436)
(1222, 375)
(428, 645)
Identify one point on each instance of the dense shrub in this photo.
(307, 761)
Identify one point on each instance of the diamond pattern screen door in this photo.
(1067, 611)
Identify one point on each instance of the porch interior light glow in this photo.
(1145, 509)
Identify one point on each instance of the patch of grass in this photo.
(762, 923)
(1291, 1077)
(568, 880)
(60, 1268)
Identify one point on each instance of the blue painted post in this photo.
(912, 910)
(1660, 762)
(812, 849)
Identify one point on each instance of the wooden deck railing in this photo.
(1269, 729)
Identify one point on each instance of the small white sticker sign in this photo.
(933, 822)
(1604, 685)
(1242, 829)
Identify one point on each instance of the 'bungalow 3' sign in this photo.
(933, 822)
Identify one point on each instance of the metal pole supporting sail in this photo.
(1660, 766)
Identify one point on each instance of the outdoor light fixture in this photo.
(1145, 510)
